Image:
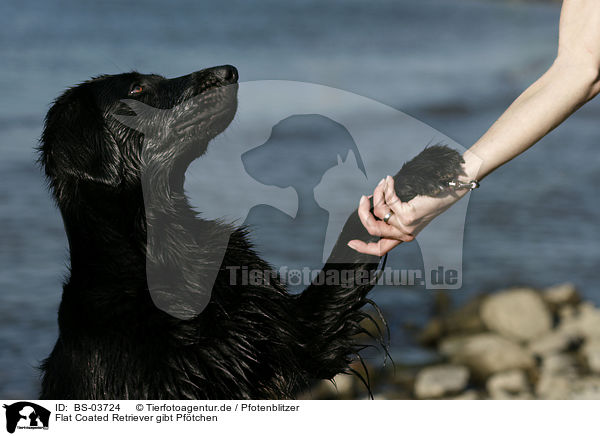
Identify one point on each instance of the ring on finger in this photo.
(387, 216)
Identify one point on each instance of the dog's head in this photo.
(87, 141)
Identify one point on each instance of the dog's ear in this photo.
(76, 142)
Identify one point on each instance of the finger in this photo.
(378, 228)
(379, 248)
(380, 209)
(389, 193)
(404, 213)
(366, 217)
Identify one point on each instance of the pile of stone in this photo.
(518, 343)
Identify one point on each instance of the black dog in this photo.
(250, 341)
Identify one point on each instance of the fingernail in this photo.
(362, 198)
(352, 245)
(389, 178)
(381, 182)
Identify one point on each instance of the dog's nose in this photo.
(226, 73)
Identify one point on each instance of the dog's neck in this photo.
(140, 240)
(100, 236)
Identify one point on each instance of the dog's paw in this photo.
(428, 173)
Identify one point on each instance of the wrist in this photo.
(468, 180)
(472, 167)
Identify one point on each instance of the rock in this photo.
(561, 295)
(553, 387)
(559, 364)
(441, 380)
(568, 388)
(449, 346)
(591, 354)
(403, 379)
(467, 395)
(587, 388)
(391, 393)
(463, 320)
(344, 384)
(489, 353)
(506, 385)
(586, 322)
(567, 313)
(589, 321)
(518, 314)
(518, 396)
(554, 342)
(431, 333)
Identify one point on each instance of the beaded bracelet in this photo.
(473, 184)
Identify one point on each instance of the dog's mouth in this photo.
(210, 105)
(208, 113)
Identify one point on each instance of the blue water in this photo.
(453, 64)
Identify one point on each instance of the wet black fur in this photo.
(250, 341)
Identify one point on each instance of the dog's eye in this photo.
(135, 89)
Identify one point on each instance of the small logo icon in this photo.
(26, 415)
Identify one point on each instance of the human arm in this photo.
(571, 81)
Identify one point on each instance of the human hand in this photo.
(573, 80)
(407, 220)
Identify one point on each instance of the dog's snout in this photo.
(226, 73)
